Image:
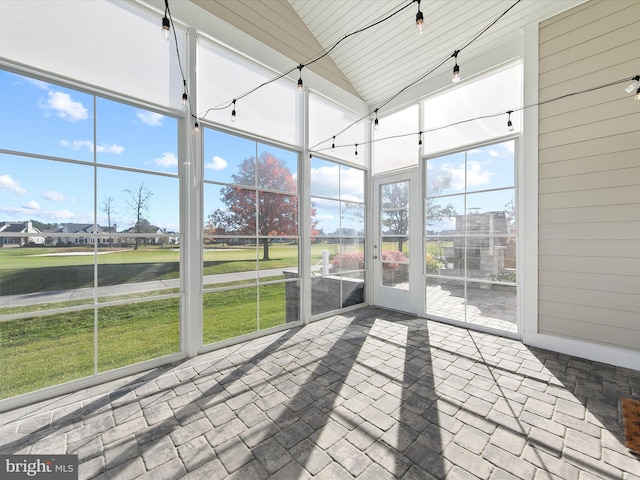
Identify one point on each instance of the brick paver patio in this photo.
(371, 394)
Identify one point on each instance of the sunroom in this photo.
(181, 177)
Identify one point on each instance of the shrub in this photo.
(355, 260)
(393, 256)
(349, 261)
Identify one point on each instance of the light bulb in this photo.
(419, 21)
(631, 87)
(509, 122)
(196, 127)
(233, 112)
(333, 145)
(376, 125)
(356, 150)
(300, 84)
(166, 28)
(456, 74)
(635, 84)
(185, 98)
(638, 94)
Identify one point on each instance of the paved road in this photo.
(123, 289)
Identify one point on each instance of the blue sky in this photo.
(46, 119)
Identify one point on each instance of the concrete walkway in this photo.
(371, 394)
(28, 299)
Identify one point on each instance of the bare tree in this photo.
(108, 210)
(138, 205)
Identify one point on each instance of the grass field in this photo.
(42, 351)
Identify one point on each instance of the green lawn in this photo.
(42, 351)
(37, 352)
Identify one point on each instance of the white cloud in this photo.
(31, 205)
(494, 153)
(88, 144)
(150, 118)
(54, 196)
(217, 164)
(167, 160)
(475, 175)
(325, 181)
(37, 83)
(45, 215)
(64, 106)
(10, 185)
(113, 148)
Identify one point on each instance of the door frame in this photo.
(409, 300)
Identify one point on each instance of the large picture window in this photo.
(471, 238)
(90, 234)
(251, 236)
(337, 236)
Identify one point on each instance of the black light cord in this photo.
(483, 117)
(424, 75)
(311, 61)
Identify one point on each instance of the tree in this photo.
(108, 210)
(138, 205)
(434, 211)
(251, 212)
(395, 205)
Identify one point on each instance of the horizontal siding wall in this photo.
(589, 176)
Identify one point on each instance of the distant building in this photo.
(15, 229)
(487, 240)
(81, 234)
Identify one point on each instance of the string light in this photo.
(419, 19)
(166, 25)
(509, 122)
(233, 111)
(494, 115)
(429, 72)
(638, 95)
(333, 145)
(185, 97)
(456, 69)
(300, 84)
(376, 124)
(634, 85)
(356, 150)
(196, 127)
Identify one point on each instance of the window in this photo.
(89, 225)
(337, 237)
(483, 99)
(471, 236)
(251, 236)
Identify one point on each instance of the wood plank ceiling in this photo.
(377, 63)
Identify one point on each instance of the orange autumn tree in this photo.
(272, 215)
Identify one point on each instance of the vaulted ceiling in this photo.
(377, 63)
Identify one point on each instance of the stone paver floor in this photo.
(370, 394)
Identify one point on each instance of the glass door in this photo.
(396, 256)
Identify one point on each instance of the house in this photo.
(85, 234)
(16, 228)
